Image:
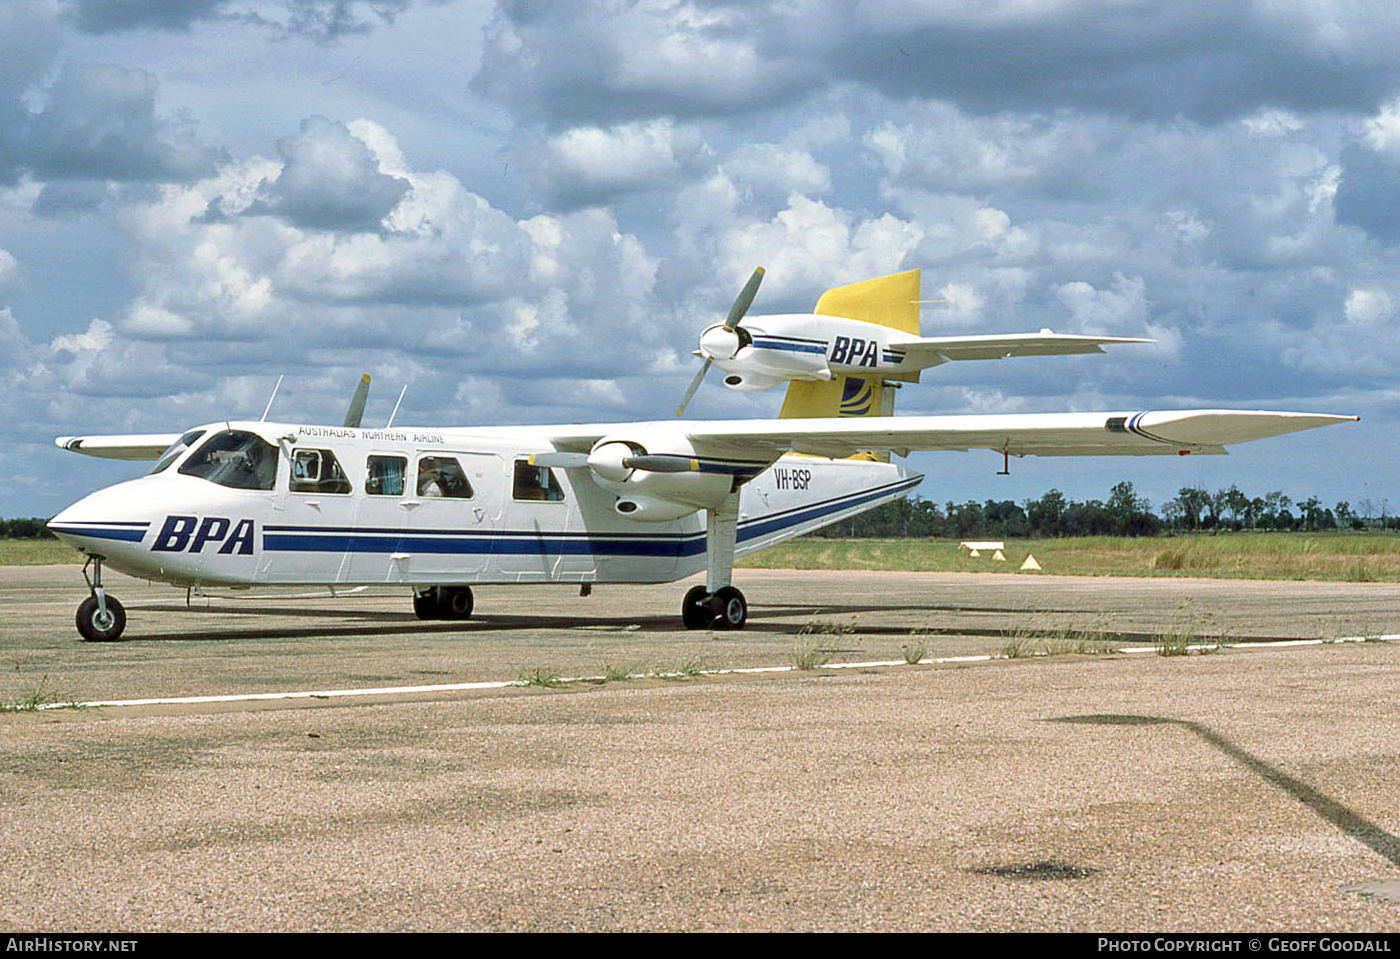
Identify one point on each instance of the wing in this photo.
(1033, 434)
(933, 350)
(132, 446)
(1174, 432)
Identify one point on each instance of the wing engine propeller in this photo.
(726, 339)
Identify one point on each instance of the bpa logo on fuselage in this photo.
(190, 532)
(854, 351)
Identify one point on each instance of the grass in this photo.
(1357, 557)
(41, 696)
(37, 552)
(686, 669)
(540, 677)
(1341, 556)
(1036, 640)
(807, 656)
(1187, 629)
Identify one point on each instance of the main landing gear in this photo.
(443, 602)
(101, 619)
(725, 608)
(718, 604)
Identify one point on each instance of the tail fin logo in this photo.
(857, 396)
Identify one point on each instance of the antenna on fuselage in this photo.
(268, 408)
(396, 407)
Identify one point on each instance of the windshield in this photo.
(173, 451)
(235, 458)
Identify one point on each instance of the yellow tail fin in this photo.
(891, 301)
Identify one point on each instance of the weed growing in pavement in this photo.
(686, 669)
(539, 676)
(42, 696)
(808, 656)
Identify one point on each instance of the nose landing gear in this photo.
(100, 619)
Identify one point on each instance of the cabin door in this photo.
(453, 501)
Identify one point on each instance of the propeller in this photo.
(730, 327)
(659, 463)
(356, 411)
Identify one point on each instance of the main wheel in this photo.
(454, 602)
(731, 610)
(695, 611)
(97, 626)
(425, 605)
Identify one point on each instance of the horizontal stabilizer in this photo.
(131, 446)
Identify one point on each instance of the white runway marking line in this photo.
(738, 671)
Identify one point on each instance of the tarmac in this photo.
(1040, 768)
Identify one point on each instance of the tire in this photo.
(98, 629)
(695, 610)
(730, 609)
(425, 604)
(454, 602)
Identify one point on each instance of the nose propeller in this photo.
(719, 339)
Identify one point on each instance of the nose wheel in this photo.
(100, 619)
(725, 608)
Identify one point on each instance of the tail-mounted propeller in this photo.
(724, 340)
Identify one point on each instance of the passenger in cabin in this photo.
(428, 484)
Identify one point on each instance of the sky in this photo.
(525, 212)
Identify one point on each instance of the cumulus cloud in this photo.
(330, 180)
(321, 20)
(9, 269)
(566, 61)
(100, 123)
(777, 169)
(1208, 61)
(592, 165)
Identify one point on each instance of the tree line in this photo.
(1123, 513)
(28, 528)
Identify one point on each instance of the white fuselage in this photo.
(370, 518)
(800, 346)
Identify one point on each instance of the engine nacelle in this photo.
(657, 476)
(752, 381)
(650, 510)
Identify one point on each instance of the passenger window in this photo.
(442, 476)
(235, 458)
(385, 475)
(536, 483)
(317, 471)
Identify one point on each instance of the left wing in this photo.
(131, 446)
(933, 350)
(1018, 434)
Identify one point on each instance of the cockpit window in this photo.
(173, 451)
(317, 471)
(235, 458)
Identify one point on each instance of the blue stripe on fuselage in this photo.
(301, 539)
